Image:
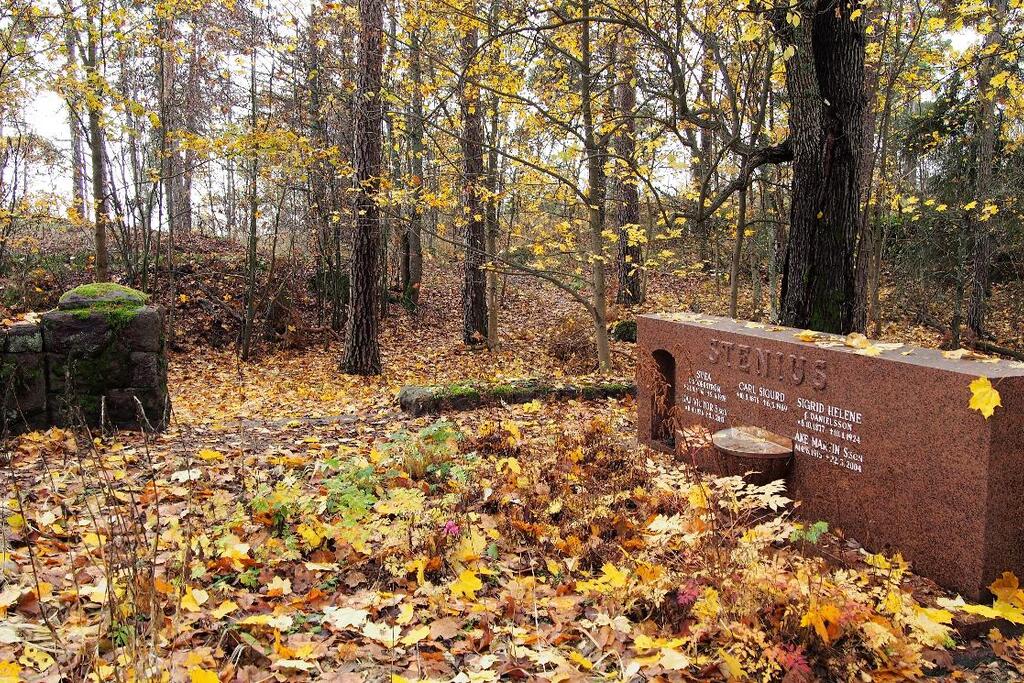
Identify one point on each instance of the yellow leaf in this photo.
(419, 566)
(1007, 589)
(10, 672)
(194, 599)
(414, 636)
(856, 340)
(471, 547)
(279, 586)
(613, 576)
(533, 406)
(35, 658)
(707, 606)
(984, 397)
(580, 660)
(732, 665)
(281, 622)
(824, 619)
(199, 675)
(405, 615)
(224, 609)
(382, 633)
(210, 454)
(466, 585)
(309, 535)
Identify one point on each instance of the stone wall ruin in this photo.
(98, 359)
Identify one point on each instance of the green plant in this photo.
(250, 578)
(811, 534)
(350, 493)
(428, 448)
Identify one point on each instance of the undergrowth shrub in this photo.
(572, 343)
(423, 452)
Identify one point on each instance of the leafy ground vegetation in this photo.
(293, 525)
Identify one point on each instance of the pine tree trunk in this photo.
(362, 350)
(825, 81)
(630, 253)
(474, 291)
(981, 252)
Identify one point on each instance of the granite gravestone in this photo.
(886, 446)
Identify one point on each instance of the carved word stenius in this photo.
(768, 364)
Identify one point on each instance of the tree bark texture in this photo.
(474, 290)
(987, 132)
(630, 254)
(362, 349)
(825, 83)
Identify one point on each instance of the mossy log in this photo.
(420, 400)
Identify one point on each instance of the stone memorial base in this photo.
(886, 447)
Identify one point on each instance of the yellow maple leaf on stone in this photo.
(856, 340)
(984, 397)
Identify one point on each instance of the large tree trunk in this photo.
(630, 254)
(362, 349)
(596, 184)
(474, 291)
(987, 127)
(825, 82)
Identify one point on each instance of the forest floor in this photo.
(293, 524)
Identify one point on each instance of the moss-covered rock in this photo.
(117, 303)
(100, 293)
(418, 400)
